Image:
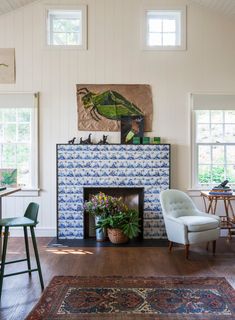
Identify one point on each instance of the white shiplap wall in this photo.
(114, 55)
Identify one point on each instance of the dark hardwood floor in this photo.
(20, 293)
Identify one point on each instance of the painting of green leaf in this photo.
(100, 107)
(7, 65)
(8, 177)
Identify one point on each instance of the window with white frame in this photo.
(213, 139)
(165, 29)
(19, 139)
(67, 27)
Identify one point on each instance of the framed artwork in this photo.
(7, 65)
(131, 127)
(8, 177)
(101, 106)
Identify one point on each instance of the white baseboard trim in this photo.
(51, 232)
(39, 232)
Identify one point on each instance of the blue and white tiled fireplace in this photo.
(110, 166)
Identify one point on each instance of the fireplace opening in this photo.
(132, 197)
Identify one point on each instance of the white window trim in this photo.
(144, 29)
(226, 101)
(83, 45)
(34, 190)
(36, 141)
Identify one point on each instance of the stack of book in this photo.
(222, 191)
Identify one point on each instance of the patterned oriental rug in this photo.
(118, 298)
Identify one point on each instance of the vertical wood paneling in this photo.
(27, 65)
(114, 55)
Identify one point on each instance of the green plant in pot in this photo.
(101, 206)
(121, 226)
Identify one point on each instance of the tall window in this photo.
(19, 140)
(67, 27)
(165, 29)
(213, 139)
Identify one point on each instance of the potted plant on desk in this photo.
(121, 226)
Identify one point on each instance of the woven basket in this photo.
(117, 236)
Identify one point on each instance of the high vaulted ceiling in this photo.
(9, 5)
(223, 6)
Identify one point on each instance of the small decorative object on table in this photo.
(72, 141)
(86, 141)
(221, 189)
(223, 184)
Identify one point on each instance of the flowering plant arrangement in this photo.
(104, 205)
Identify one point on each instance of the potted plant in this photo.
(101, 206)
(121, 226)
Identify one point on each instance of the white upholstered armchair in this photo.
(184, 223)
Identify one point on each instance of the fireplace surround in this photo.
(113, 166)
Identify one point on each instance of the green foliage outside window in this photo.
(15, 144)
(66, 31)
(66, 25)
(216, 175)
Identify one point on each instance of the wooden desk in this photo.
(210, 203)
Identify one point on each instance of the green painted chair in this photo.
(28, 220)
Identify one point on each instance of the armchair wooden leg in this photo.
(214, 247)
(170, 246)
(187, 251)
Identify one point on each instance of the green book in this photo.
(2, 188)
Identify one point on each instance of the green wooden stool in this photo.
(29, 220)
